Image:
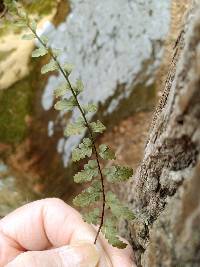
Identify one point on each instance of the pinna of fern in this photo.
(108, 208)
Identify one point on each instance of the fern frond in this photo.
(92, 171)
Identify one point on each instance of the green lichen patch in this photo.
(15, 105)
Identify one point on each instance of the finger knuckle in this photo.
(54, 201)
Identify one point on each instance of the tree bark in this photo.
(165, 190)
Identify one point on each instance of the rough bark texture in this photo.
(165, 191)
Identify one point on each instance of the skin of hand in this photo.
(50, 233)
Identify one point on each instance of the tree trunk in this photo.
(165, 190)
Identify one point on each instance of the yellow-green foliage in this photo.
(15, 104)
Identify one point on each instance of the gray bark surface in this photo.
(165, 190)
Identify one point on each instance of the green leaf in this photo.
(28, 36)
(14, 3)
(39, 52)
(117, 208)
(61, 90)
(22, 13)
(44, 39)
(68, 68)
(88, 196)
(66, 104)
(20, 23)
(92, 217)
(75, 128)
(83, 150)
(78, 88)
(56, 52)
(33, 25)
(111, 234)
(117, 173)
(51, 66)
(90, 171)
(106, 153)
(12, 6)
(90, 108)
(97, 127)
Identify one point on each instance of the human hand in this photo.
(49, 233)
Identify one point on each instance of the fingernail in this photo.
(79, 255)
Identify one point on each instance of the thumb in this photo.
(82, 254)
